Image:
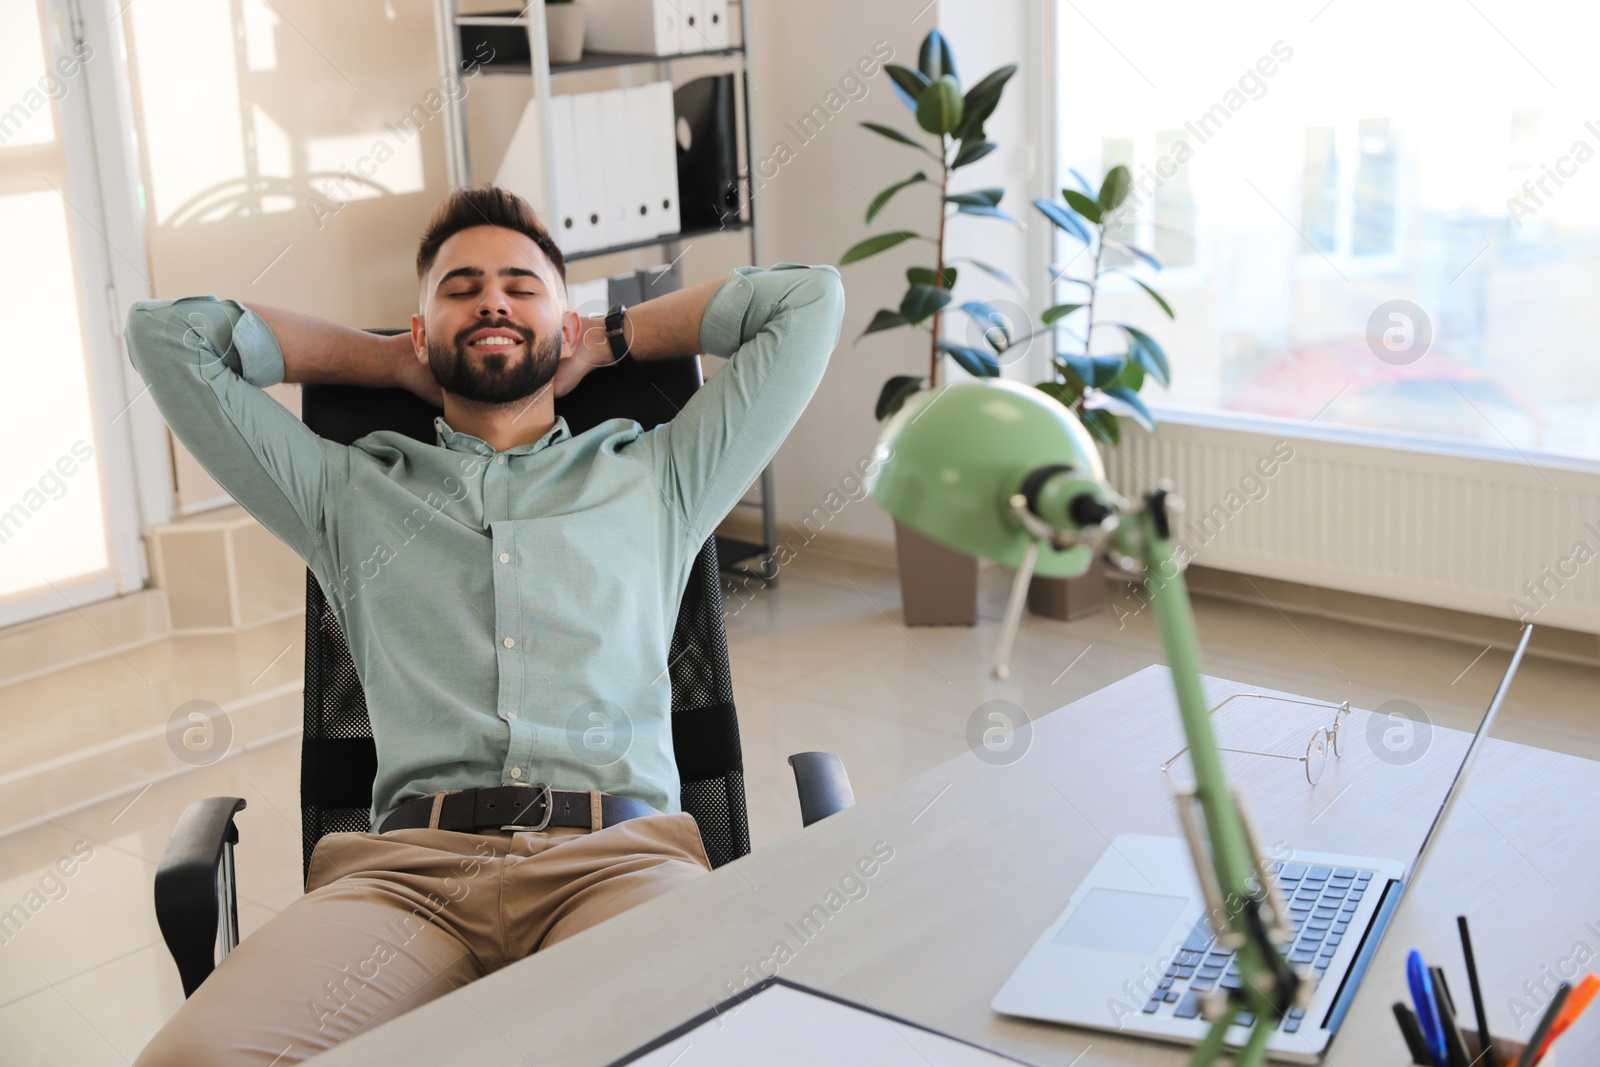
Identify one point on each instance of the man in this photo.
(501, 592)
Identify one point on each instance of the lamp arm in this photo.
(1243, 907)
(1247, 917)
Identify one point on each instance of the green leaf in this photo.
(993, 323)
(1053, 315)
(884, 319)
(1154, 296)
(1114, 190)
(908, 83)
(873, 245)
(1155, 264)
(896, 391)
(895, 135)
(977, 197)
(1089, 209)
(1061, 391)
(939, 107)
(922, 301)
(925, 276)
(1102, 425)
(986, 212)
(1063, 218)
(1151, 356)
(971, 152)
(1123, 402)
(1130, 377)
(975, 361)
(1095, 371)
(982, 99)
(883, 198)
(993, 272)
(934, 58)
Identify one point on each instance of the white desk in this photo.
(985, 856)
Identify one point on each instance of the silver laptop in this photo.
(1133, 953)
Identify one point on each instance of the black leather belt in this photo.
(512, 807)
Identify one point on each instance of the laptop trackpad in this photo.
(1115, 920)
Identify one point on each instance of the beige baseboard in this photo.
(827, 545)
(82, 635)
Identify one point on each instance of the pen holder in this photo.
(1507, 1050)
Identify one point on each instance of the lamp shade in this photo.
(950, 460)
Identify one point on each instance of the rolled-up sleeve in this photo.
(205, 361)
(778, 328)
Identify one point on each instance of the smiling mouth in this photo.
(494, 344)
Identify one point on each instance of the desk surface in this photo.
(985, 856)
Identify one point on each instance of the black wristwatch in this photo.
(614, 334)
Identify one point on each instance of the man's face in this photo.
(492, 316)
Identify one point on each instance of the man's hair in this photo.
(485, 205)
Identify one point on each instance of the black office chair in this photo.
(196, 898)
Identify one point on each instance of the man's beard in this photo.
(495, 378)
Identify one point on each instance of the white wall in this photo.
(814, 204)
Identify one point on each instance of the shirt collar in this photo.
(465, 442)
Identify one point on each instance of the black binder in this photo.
(708, 167)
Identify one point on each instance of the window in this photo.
(1353, 237)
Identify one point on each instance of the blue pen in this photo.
(1427, 1002)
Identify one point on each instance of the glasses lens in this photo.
(1317, 756)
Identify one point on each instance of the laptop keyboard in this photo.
(1321, 901)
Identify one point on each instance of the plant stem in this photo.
(1094, 287)
(938, 270)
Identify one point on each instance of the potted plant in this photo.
(563, 29)
(1101, 388)
(938, 585)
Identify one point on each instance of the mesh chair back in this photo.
(338, 758)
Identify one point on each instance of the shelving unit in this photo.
(449, 26)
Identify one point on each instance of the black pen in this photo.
(1455, 1047)
(1530, 1051)
(1412, 1030)
(1487, 1056)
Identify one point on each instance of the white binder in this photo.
(519, 167)
(660, 137)
(587, 147)
(714, 24)
(691, 26)
(626, 214)
(567, 222)
(642, 27)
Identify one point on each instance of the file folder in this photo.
(587, 148)
(626, 215)
(641, 27)
(520, 167)
(659, 159)
(568, 224)
(714, 24)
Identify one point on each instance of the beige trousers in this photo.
(389, 922)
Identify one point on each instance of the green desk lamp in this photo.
(1004, 472)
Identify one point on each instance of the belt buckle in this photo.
(549, 809)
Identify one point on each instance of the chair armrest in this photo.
(197, 905)
(823, 784)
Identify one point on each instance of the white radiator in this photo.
(1474, 534)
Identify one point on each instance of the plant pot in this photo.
(563, 29)
(1069, 598)
(938, 585)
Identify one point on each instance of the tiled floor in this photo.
(821, 663)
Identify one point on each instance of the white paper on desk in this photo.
(784, 1025)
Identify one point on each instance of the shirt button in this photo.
(511, 715)
(505, 557)
(499, 459)
(510, 643)
(516, 772)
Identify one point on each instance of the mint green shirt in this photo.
(509, 613)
